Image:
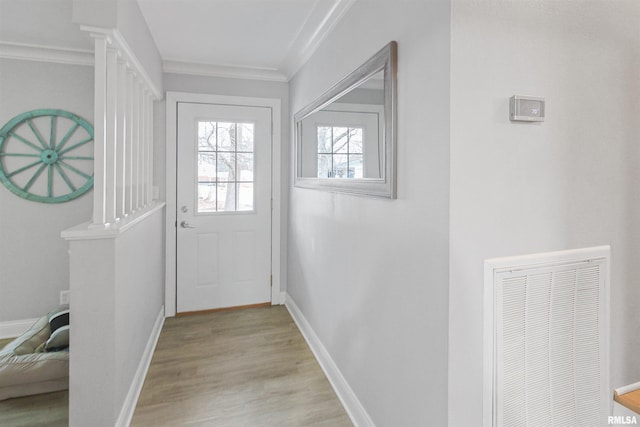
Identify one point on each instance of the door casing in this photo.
(172, 100)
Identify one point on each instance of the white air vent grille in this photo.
(549, 351)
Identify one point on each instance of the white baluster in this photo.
(110, 138)
(150, 152)
(140, 156)
(128, 178)
(100, 95)
(135, 183)
(143, 146)
(121, 147)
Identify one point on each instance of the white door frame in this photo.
(172, 100)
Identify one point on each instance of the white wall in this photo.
(117, 289)
(34, 264)
(569, 182)
(134, 28)
(126, 17)
(229, 87)
(139, 295)
(43, 23)
(95, 13)
(371, 275)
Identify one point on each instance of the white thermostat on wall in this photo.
(526, 109)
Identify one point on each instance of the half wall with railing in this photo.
(116, 259)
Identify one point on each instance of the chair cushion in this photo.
(58, 340)
(24, 372)
(27, 342)
(33, 373)
(59, 324)
(58, 319)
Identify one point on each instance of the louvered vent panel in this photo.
(549, 368)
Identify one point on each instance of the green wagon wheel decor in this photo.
(47, 156)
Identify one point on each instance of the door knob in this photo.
(185, 224)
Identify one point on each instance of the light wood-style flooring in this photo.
(236, 368)
(40, 410)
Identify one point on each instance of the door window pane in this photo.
(206, 197)
(226, 136)
(206, 167)
(245, 167)
(225, 166)
(245, 137)
(207, 136)
(226, 196)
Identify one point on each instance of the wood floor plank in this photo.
(239, 368)
(40, 410)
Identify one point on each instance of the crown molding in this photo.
(225, 71)
(322, 19)
(320, 22)
(39, 53)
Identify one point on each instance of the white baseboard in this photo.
(283, 298)
(130, 402)
(15, 328)
(352, 405)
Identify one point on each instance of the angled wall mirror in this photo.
(346, 139)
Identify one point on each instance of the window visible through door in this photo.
(340, 153)
(225, 166)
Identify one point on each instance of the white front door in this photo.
(223, 206)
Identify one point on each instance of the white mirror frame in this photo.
(385, 60)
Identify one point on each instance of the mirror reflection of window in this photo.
(342, 141)
(340, 152)
(345, 140)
